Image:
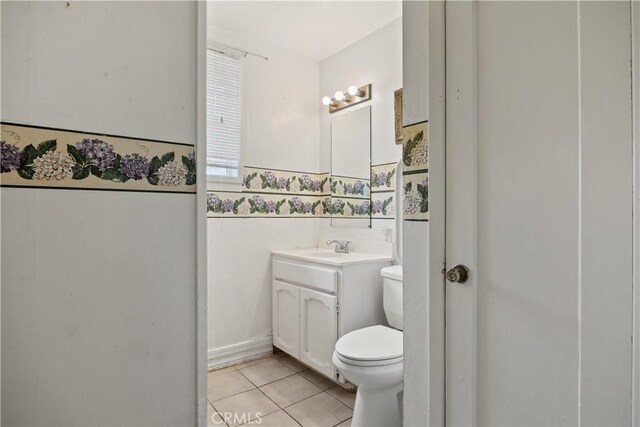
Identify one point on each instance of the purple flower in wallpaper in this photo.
(282, 183)
(364, 208)
(307, 182)
(297, 203)
(348, 188)
(380, 179)
(227, 205)
(317, 185)
(11, 157)
(97, 152)
(358, 187)
(377, 207)
(307, 207)
(258, 201)
(270, 178)
(134, 166)
(217, 205)
(213, 202)
(270, 206)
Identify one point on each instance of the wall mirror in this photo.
(351, 169)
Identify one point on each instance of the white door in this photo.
(539, 208)
(318, 330)
(286, 317)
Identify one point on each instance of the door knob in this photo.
(458, 274)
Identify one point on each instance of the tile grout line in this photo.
(217, 412)
(310, 397)
(271, 382)
(279, 408)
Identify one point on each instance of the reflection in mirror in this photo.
(351, 169)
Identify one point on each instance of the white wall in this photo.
(376, 59)
(281, 104)
(240, 273)
(98, 304)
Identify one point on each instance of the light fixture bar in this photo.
(353, 96)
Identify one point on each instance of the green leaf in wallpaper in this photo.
(45, 146)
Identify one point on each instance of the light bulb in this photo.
(326, 101)
(339, 96)
(353, 91)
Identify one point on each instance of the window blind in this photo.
(223, 114)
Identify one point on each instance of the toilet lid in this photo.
(372, 343)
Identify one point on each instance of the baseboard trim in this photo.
(239, 353)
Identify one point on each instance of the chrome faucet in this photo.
(342, 246)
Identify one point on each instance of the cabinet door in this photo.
(286, 317)
(318, 330)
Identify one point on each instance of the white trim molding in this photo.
(201, 217)
(239, 353)
(635, 63)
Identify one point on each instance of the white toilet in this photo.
(371, 358)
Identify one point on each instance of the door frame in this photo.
(461, 93)
(201, 215)
(635, 81)
(436, 62)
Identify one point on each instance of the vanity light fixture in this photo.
(327, 101)
(355, 91)
(341, 100)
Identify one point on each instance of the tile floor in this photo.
(281, 391)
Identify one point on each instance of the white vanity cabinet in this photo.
(317, 297)
(285, 315)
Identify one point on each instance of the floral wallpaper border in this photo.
(415, 176)
(415, 151)
(348, 208)
(272, 193)
(383, 205)
(342, 186)
(244, 205)
(42, 157)
(416, 197)
(383, 177)
(284, 182)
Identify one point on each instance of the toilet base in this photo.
(378, 407)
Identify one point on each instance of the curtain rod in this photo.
(244, 53)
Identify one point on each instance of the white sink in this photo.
(322, 254)
(327, 256)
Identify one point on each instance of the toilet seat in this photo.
(372, 346)
(368, 363)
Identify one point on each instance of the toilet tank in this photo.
(392, 295)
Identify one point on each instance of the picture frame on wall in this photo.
(397, 108)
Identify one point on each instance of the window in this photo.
(223, 116)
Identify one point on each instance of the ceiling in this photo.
(314, 29)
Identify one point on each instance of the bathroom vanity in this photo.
(318, 296)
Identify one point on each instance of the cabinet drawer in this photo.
(304, 274)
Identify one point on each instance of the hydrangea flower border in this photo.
(50, 163)
(272, 193)
(285, 182)
(351, 187)
(415, 175)
(243, 205)
(383, 177)
(415, 147)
